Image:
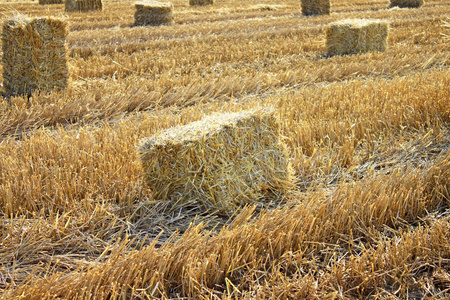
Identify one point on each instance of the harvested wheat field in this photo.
(366, 135)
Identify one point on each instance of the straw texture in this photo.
(407, 3)
(223, 160)
(356, 36)
(34, 55)
(83, 5)
(43, 2)
(200, 2)
(316, 7)
(153, 13)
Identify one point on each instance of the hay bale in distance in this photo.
(200, 2)
(316, 7)
(223, 160)
(34, 55)
(353, 36)
(152, 13)
(406, 3)
(44, 2)
(83, 5)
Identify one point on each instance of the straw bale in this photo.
(200, 2)
(83, 5)
(316, 7)
(406, 3)
(34, 55)
(153, 13)
(43, 2)
(356, 36)
(223, 160)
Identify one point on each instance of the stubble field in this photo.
(368, 137)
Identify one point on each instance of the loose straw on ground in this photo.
(221, 161)
(34, 55)
(353, 36)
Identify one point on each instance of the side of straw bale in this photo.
(200, 2)
(223, 160)
(44, 2)
(153, 14)
(83, 5)
(406, 3)
(34, 55)
(356, 36)
(316, 7)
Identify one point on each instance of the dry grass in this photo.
(367, 136)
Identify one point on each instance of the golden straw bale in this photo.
(223, 160)
(356, 36)
(315, 7)
(83, 5)
(43, 2)
(152, 13)
(200, 2)
(406, 3)
(34, 55)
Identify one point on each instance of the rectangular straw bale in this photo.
(44, 2)
(406, 3)
(223, 160)
(316, 7)
(200, 2)
(356, 36)
(34, 55)
(83, 5)
(153, 13)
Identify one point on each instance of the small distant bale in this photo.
(34, 55)
(353, 36)
(406, 3)
(222, 161)
(153, 13)
(316, 7)
(44, 2)
(83, 5)
(200, 2)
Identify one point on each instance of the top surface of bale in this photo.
(196, 130)
(357, 23)
(161, 5)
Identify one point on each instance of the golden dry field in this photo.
(368, 136)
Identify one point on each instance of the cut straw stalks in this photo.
(200, 2)
(352, 36)
(83, 5)
(34, 55)
(406, 3)
(153, 13)
(202, 260)
(316, 7)
(223, 160)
